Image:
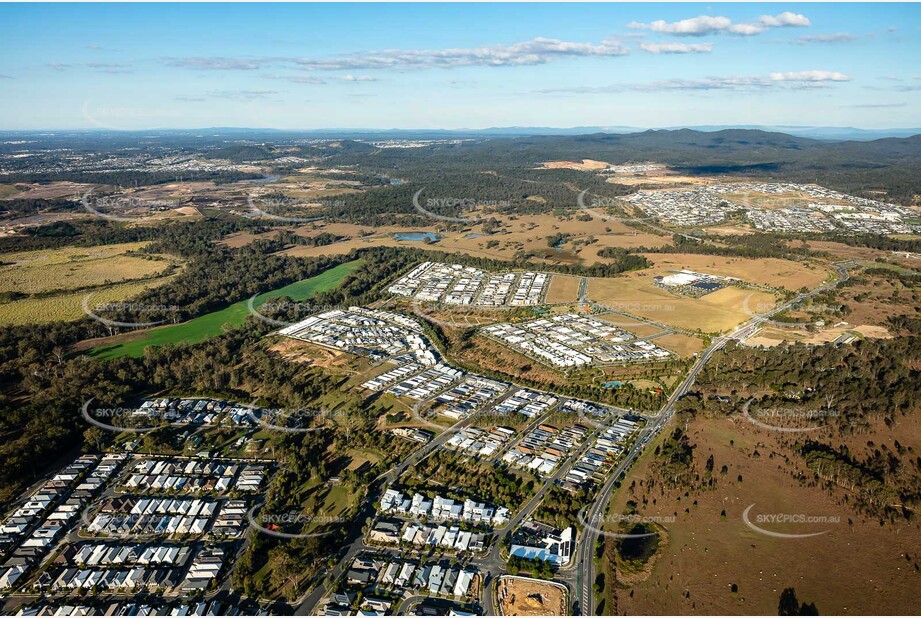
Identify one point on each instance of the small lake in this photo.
(417, 236)
(262, 181)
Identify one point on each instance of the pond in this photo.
(417, 236)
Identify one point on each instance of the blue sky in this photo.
(303, 66)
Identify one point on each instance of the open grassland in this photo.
(69, 306)
(50, 190)
(211, 324)
(241, 239)
(683, 345)
(874, 299)
(763, 271)
(636, 327)
(839, 250)
(74, 268)
(563, 289)
(769, 336)
(526, 233)
(857, 567)
(719, 311)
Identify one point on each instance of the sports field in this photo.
(211, 324)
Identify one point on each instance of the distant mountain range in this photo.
(823, 133)
(820, 133)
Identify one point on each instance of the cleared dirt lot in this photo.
(587, 165)
(521, 596)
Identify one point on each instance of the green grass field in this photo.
(211, 324)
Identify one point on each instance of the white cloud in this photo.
(704, 25)
(746, 29)
(676, 48)
(810, 76)
(110, 67)
(527, 53)
(695, 26)
(241, 95)
(533, 52)
(299, 79)
(877, 105)
(358, 78)
(785, 19)
(216, 63)
(838, 37)
(775, 81)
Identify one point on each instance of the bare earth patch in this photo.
(521, 596)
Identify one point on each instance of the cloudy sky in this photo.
(459, 65)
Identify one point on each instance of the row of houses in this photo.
(543, 448)
(451, 538)
(470, 395)
(401, 577)
(442, 509)
(131, 608)
(122, 580)
(527, 402)
(231, 521)
(480, 442)
(165, 576)
(403, 370)
(204, 570)
(593, 465)
(572, 341)
(193, 477)
(107, 554)
(454, 284)
(194, 411)
(37, 525)
(427, 383)
(364, 332)
(157, 515)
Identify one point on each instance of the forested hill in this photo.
(890, 164)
